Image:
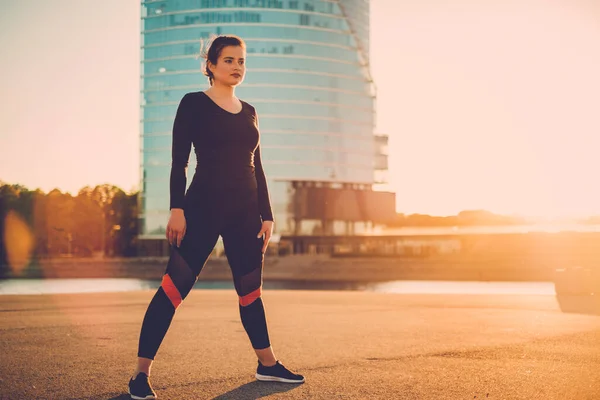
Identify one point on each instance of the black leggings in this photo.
(233, 215)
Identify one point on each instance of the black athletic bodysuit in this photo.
(228, 197)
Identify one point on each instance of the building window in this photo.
(275, 4)
(190, 49)
(304, 19)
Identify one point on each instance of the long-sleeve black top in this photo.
(227, 148)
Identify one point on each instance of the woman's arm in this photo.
(264, 202)
(182, 144)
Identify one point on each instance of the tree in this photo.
(99, 219)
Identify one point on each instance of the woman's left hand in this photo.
(267, 231)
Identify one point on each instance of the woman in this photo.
(228, 196)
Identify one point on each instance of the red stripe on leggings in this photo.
(171, 290)
(250, 297)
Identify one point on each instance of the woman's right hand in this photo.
(176, 227)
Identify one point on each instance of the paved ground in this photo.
(349, 345)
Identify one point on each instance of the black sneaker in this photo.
(277, 373)
(140, 389)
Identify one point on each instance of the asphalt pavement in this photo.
(349, 345)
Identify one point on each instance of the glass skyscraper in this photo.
(307, 75)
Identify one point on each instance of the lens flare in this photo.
(18, 241)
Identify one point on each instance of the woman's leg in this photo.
(183, 268)
(244, 254)
(143, 365)
(266, 356)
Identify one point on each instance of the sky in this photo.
(489, 104)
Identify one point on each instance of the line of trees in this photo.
(102, 220)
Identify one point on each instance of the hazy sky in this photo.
(490, 104)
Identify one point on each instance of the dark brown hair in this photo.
(217, 44)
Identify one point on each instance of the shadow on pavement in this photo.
(251, 390)
(256, 390)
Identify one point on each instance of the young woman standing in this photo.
(228, 196)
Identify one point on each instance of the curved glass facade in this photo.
(307, 76)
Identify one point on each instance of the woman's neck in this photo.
(222, 91)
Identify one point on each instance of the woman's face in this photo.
(231, 66)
